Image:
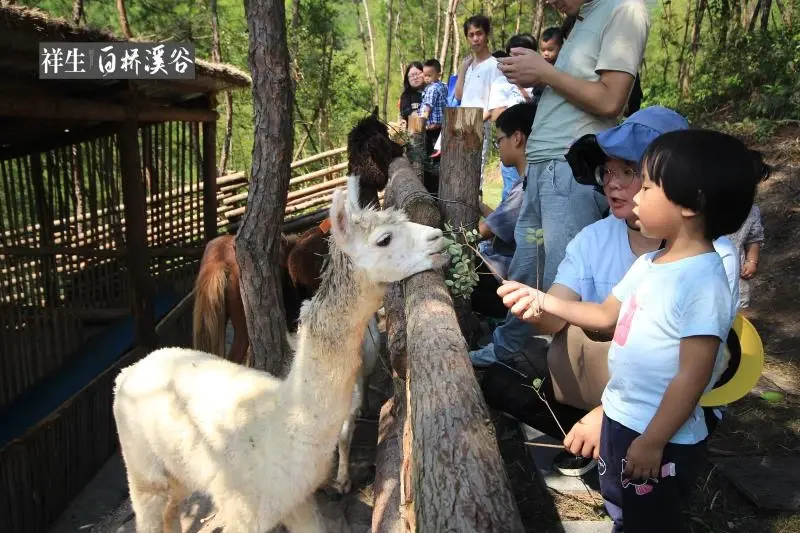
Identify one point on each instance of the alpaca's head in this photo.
(384, 244)
(369, 152)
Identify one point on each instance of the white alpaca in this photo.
(190, 421)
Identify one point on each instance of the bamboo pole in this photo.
(317, 157)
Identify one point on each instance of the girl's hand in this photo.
(644, 459)
(749, 269)
(524, 302)
(584, 437)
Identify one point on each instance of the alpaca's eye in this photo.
(385, 240)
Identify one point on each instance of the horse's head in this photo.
(384, 244)
(369, 152)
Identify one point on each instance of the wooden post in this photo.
(459, 182)
(45, 216)
(459, 479)
(416, 151)
(392, 493)
(452, 477)
(210, 179)
(138, 257)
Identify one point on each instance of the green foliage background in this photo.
(735, 72)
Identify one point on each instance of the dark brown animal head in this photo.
(369, 152)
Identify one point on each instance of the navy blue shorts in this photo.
(650, 506)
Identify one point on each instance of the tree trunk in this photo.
(123, 19)
(416, 145)
(438, 28)
(666, 32)
(459, 181)
(504, 23)
(216, 56)
(77, 12)
(389, 35)
(398, 45)
(765, 13)
(519, 17)
(456, 41)
(724, 21)
(695, 47)
(258, 239)
(295, 14)
(538, 20)
(683, 62)
(446, 38)
(367, 68)
(372, 52)
(752, 24)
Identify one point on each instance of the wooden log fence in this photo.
(436, 442)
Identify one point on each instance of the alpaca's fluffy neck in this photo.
(332, 326)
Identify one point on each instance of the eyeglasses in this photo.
(497, 141)
(604, 174)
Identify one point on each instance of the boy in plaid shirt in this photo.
(434, 100)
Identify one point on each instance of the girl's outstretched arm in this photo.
(526, 302)
(697, 357)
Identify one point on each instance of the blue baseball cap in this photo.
(630, 139)
(627, 141)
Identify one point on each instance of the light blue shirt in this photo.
(661, 304)
(600, 255)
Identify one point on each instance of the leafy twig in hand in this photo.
(537, 384)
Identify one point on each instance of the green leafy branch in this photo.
(462, 276)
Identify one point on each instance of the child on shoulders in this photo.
(670, 315)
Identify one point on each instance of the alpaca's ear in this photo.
(339, 213)
(353, 191)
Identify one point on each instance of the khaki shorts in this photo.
(578, 367)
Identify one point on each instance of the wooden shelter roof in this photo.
(31, 108)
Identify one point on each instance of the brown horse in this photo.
(217, 296)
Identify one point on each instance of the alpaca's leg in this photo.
(342, 483)
(171, 517)
(149, 506)
(305, 518)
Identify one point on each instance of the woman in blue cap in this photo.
(600, 254)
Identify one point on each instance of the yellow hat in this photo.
(744, 368)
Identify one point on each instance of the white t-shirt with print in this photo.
(478, 83)
(661, 304)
